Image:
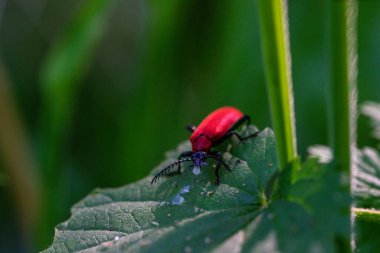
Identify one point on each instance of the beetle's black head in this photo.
(199, 160)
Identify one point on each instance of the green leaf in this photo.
(366, 183)
(367, 236)
(236, 216)
(366, 193)
(372, 111)
(366, 189)
(366, 174)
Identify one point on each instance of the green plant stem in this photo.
(342, 106)
(273, 26)
(366, 214)
(342, 82)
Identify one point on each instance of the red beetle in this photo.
(217, 127)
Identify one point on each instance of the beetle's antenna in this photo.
(167, 169)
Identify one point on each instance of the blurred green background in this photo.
(93, 92)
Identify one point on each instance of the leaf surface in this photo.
(366, 194)
(188, 213)
(372, 111)
(366, 190)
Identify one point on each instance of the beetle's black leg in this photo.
(217, 175)
(218, 157)
(191, 128)
(230, 133)
(185, 154)
(238, 123)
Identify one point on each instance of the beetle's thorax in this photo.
(202, 143)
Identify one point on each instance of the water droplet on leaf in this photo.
(178, 200)
(185, 189)
(196, 170)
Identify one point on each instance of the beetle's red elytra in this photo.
(216, 128)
